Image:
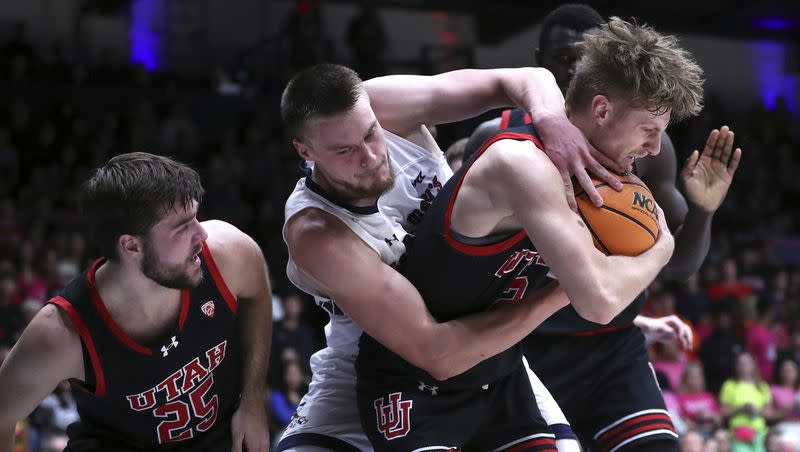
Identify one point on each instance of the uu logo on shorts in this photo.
(394, 419)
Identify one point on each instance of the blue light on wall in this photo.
(144, 42)
(773, 23)
(774, 79)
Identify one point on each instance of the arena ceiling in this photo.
(749, 19)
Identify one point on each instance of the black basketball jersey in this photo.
(567, 320)
(458, 276)
(179, 394)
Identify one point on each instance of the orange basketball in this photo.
(627, 223)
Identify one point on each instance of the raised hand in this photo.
(707, 176)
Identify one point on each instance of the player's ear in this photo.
(302, 149)
(601, 109)
(129, 245)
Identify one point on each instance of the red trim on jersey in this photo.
(540, 444)
(608, 329)
(504, 119)
(97, 367)
(528, 119)
(664, 422)
(104, 314)
(484, 250)
(185, 297)
(223, 288)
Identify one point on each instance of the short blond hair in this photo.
(634, 63)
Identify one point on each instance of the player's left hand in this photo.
(573, 155)
(249, 427)
(669, 328)
(707, 176)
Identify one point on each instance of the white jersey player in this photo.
(329, 406)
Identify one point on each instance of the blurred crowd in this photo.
(739, 380)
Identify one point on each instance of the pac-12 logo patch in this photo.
(208, 308)
(394, 419)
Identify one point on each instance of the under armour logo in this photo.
(394, 419)
(420, 177)
(424, 388)
(166, 348)
(392, 239)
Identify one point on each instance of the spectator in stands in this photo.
(718, 351)
(292, 332)
(785, 391)
(283, 401)
(54, 414)
(698, 406)
(692, 441)
(719, 441)
(744, 401)
(691, 301)
(763, 336)
(730, 283)
(671, 402)
(367, 40)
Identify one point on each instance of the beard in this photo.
(349, 191)
(170, 276)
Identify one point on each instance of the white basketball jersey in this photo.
(419, 174)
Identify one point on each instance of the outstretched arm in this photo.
(403, 102)
(706, 177)
(390, 309)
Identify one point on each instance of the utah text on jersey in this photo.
(183, 397)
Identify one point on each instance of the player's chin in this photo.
(194, 275)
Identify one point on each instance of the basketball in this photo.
(627, 223)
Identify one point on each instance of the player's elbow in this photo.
(597, 312)
(598, 304)
(441, 371)
(437, 361)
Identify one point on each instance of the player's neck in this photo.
(125, 289)
(339, 194)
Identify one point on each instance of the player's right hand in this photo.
(573, 155)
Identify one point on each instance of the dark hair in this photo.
(321, 90)
(572, 15)
(132, 192)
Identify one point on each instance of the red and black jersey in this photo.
(177, 394)
(458, 275)
(567, 320)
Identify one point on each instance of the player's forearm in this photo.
(535, 90)
(692, 242)
(617, 282)
(459, 345)
(256, 323)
